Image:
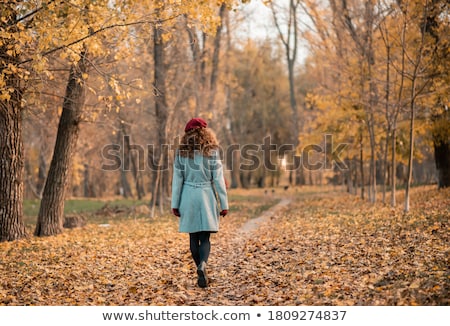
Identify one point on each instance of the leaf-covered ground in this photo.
(323, 248)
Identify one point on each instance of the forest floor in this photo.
(305, 246)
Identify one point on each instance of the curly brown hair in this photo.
(201, 140)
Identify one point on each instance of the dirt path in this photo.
(254, 223)
(229, 264)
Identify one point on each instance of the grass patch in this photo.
(78, 206)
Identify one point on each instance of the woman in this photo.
(199, 193)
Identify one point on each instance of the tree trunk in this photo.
(160, 175)
(393, 165)
(124, 185)
(41, 174)
(414, 92)
(373, 94)
(215, 60)
(387, 114)
(30, 189)
(136, 160)
(198, 49)
(125, 189)
(441, 142)
(88, 187)
(372, 169)
(51, 212)
(204, 93)
(361, 165)
(411, 152)
(157, 192)
(396, 112)
(298, 173)
(385, 165)
(355, 175)
(442, 159)
(290, 43)
(436, 27)
(11, 171)
(235, 154)
(11, 143)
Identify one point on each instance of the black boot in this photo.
(201, 272)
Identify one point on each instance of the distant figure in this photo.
(286, 188)
(197, 179)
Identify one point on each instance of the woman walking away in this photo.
(199, 194)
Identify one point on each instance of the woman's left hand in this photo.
(223, 212)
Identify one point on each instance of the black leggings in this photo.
(200, 246)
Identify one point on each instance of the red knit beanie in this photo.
(195, 123)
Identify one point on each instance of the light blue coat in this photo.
(199, 192)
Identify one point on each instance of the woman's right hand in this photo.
(176, 212)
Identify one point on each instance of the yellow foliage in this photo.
(5, 96)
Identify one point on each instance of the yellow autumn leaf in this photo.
(5, 96)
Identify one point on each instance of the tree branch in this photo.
(32, 13)
(94, 33)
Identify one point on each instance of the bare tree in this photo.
(417, 86)
(229, 132)
(205, 87)
(289, 39)
(361, 33)
(160, 176)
